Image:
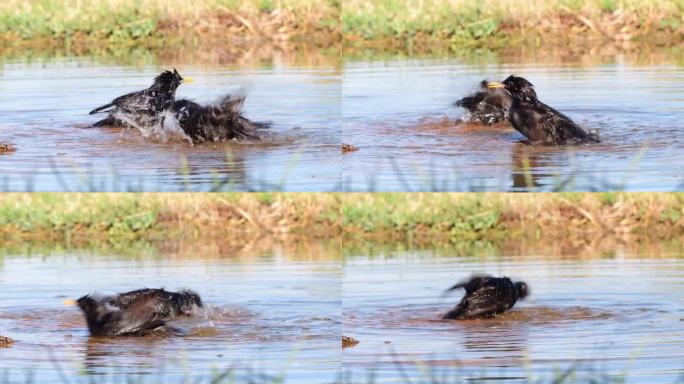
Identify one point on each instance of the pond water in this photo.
(268, 315)
(597, 317)
(400, 113)
(44, 105)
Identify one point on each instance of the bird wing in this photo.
(123, 300)
(139, 319)
(121, 101)
(220, 122)
(558, 125)
(233, 103)
(145, 312)
(482, 302)
(471, 284)
(137, 99)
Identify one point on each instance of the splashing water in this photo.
(166, 129)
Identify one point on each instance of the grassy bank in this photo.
(232, 217)
(463, 216)
(159, 22)
(498, 23)
(395, 216)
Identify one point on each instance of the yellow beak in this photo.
(495, 85)
(69, 302)
(187, 80)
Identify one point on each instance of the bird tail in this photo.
(109, 121)
(470, 284)
(467, 102)
(454, 287)
(233, 103)
(99, 109)
(593, 137)
(246, 129)
(262, 124)
(470, 102)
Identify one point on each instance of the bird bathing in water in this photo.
(143, 107)
(487, 106)
(220, 122)
(486, 296)
(538, 122)
(136, 313)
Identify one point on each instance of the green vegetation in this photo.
(464, 23)
(427, 216)
(461, 216)
(86, 217)
(156, 21)
(215, 376)
(456, 23)
(573, 373)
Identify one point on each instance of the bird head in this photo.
(180, 79)
(89, 305)
(168, 80)
(517, 86)
(523, 289)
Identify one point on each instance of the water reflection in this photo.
(508, 338)
(523, 162)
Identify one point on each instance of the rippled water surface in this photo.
(270, 314)
(399, 113)
(620, 314)
(44, 107)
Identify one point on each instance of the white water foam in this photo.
(165, 130)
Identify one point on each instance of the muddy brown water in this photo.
(602, 317)
(268, 316)
(399, 112)
(44, 105)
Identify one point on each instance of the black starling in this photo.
(142, 107)
(486, 296)
(537, 121)
(223, 121)
(487, 106)
(136, 313)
